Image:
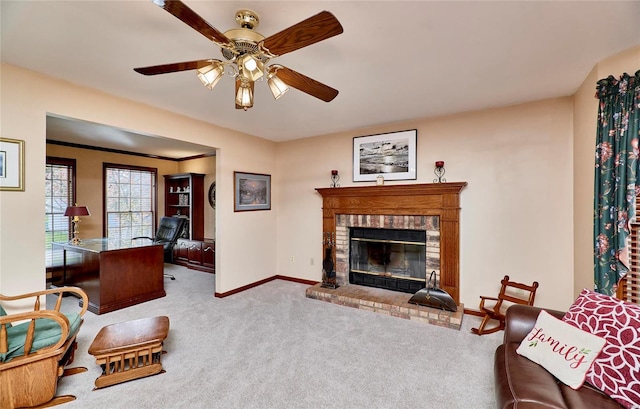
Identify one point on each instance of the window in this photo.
(130, 201)
(59, 193)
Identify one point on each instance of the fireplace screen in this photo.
(388, 258)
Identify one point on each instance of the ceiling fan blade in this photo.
(307, 85)
(310, 31)
(190, 17)
(175, 67)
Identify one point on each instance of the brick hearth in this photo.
(386, 302)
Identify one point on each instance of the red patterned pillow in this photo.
(616, 371)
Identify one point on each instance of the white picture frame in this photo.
(11, 164)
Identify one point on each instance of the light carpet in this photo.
(271, 347)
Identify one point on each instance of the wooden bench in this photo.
(129, 350)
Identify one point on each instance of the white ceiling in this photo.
(395, 61)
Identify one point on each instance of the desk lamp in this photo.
(75, 212)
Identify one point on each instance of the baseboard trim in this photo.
(297, 280)
(264, 281)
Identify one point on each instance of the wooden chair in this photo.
(35, 346)
(496, 308)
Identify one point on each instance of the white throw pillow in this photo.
(562, 349)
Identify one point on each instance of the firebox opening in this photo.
(393, 259)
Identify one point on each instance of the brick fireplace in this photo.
(429, 224)
(434, 208)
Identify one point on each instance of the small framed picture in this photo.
(390, 155)
(252, 191)
(11, 164)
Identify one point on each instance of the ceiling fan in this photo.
(247, 53)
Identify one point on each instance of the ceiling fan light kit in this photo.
(248, 52)
(210, 74)
(244, 96)
(276, 85)
(250, 68)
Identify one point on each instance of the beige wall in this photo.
(516, 210)
(245, 245)
(584, 140)
(584, 136)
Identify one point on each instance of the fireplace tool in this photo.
(434, 297)
(328, 271)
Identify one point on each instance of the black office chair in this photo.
(169, 231)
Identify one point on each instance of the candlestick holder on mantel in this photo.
(335, 178)
(439, 171)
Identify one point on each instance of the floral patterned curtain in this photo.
(616, 174)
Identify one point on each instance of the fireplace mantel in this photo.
(431, 199)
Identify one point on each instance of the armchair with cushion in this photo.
(35, 347)
(169, 231)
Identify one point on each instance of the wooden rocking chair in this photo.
(510, 293)
(35, 346)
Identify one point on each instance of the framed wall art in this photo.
(11, 164)
(212, 195)
(392, 155)
(252, 191)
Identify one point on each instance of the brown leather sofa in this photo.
(523, 384)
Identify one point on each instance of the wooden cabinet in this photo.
(194, 252)
(181, 252)
(196, 255)
(184, 197)
(209, 255)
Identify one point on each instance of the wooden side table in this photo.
(129, 350)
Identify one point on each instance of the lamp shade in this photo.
(244, 96)
(250, 68)
(77, 211)
(277, 86)
(211, 74)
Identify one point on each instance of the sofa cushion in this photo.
(616, 371)
(587, 397)
(47, 333)
(521, 383)
(562, 349)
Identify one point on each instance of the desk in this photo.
(114, 274)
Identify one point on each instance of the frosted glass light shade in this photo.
(211, 74)
(244, 97)
(276, 85)
(250, 68)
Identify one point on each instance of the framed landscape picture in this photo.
(252, 191)
(11, 164)
(392, 155)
